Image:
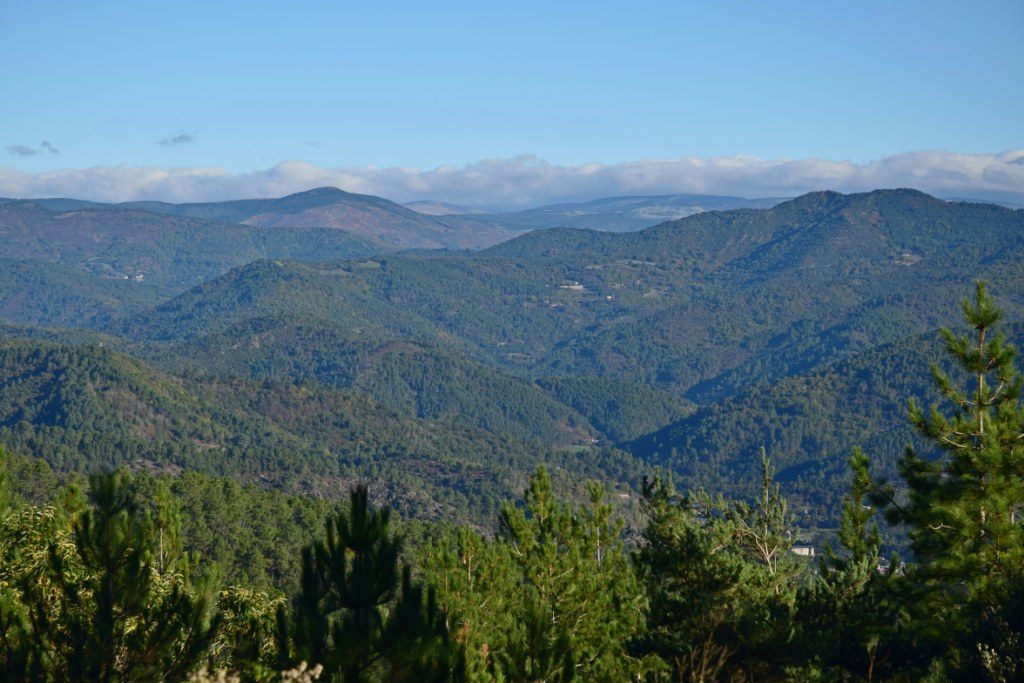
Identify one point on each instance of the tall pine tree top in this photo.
(965, 508)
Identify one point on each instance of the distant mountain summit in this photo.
(172, 252)
(360, 214)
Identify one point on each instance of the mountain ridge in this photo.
(626, 213)
(361, 214)
(581, 340)
(676, 305)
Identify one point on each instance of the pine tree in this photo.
(720, 581)
(552, 597)
(763, 532)
(580, 599)
(97, 606)
(850, 620)
(692, 590)
(478, 587)
(540, 647)
(246, 640)
(415, 641)
(965, 508)
(354, 616)
(16, 653)
(5, 494)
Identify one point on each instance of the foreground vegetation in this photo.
(106, 585)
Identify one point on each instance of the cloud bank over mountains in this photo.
(530, 181)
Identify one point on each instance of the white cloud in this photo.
(530, 181)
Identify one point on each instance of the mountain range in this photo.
(621, 214)
(363, 215)
(688, 345)
(683, 305)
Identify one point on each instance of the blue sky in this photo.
(246, 85)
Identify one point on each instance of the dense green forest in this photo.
(679, 404)
(38, 292)
(807, 422)
(83, 408)
(701, 306)
(112, 578)
(168, 253)
(688, 345)
(412, 378)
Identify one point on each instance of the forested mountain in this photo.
(714, 588)
(34, 291)
(809, 423)
(85, 408)
(759, 292)
(409, 377)
(359, 214)
(700, 306)
(742, 356)
(621, 410)
(619, 214)
(688, 336)
(170, 252)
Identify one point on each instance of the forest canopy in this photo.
(114, 577)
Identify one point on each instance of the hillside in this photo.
(83, 408)
(680, 336)
(45, 293)
(359, 214)
(410, 378)
(700, 306)
(716, 300)
(619, 409)
(808, 424)
(172, 253)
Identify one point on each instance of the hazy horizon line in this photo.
(528, 181)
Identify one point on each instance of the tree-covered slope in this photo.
(44, 293)
(357, 214)
(337, 293)
(619, 409)
(805, 282)
(254, 534)
(764, 319)
(86, 408)
(699, 305)
(807, 423)
(170, 252)
(410, 378)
